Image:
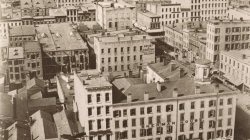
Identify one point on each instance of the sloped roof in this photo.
(35, 82)
(65, 123)
(124, 84)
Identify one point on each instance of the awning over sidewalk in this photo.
(233, 79)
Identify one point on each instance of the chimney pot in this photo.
(159, 86)
(197, 90)
(146, 96)
(216, 88)
(175, 92)
(129, 98)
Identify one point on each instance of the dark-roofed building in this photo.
(164, 71)
(33, 59)
(63, 50)
(36, 7)
(180, 108)
(43, 126)
(66, 124)
(18, 131)
(45, 104)
(19, 34)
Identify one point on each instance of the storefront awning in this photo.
(233, 79)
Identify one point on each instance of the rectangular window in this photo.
(106, 97)
(89, 111)
(102, 51)
(181, 106)
(116, 124)
(182, 117)
(221, 102)
(133, 122)
(220, 112)
(132, 112)
(192, 105)
(98, 98)
(229, 111)
(133, 133)
(107, 123)
(169, 108)
(149, 110)
(150, 120)
(142, 110)
(229, 122)
(107, 110)
(229, 101)
(124, 112)
(158, 109)
(202, 104)
(142, 121)
(158, 119)
(220, 123)
(89, 99)
(99, 124)
(125, 123)
(90, 125)
(98, 110)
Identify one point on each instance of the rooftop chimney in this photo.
(216, 88)
(175, 92)
(182, 72)
(197, 90)
(146, 96)
(244, 56)
(165, 61)
(129, 98)
(172, 67)
(130, 73)
(159, 86)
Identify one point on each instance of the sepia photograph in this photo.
(124, 69)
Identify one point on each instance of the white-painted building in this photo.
(93, 97)
(123, 52)
(115, 15)
(202, 10)
(132, 110)
(235, 67)
(170, 13)
(239, 13)
(226, 35)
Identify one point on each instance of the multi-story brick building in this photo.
(170, 13)
(33, 59)
(16, 71)
(235, 67)
(19, 34)
(202, 10)
(123, 52)
(240, 3)
(32, 8)
(63, 50)
(178, 109)
(93, 95)
(226, 35)
(65, 3)
(115, 16)
(149, 22)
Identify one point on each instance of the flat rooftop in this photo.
(122, 37)
(166, 71)
(238, 55)
(37, 4)
(148, 14)
(115, 5)
(32, 46)
(15, 53)
(24, 30)
(59, 37)
(228, 21)
(92, 79)
(59, 12)
(185, 87)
